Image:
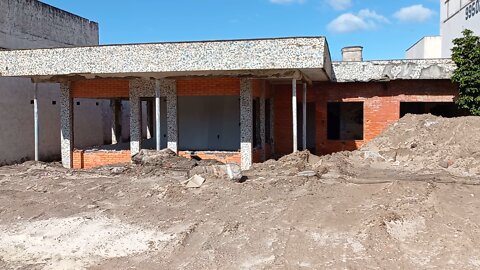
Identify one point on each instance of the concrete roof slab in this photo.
(422, 69)
(161, 60)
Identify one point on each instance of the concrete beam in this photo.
(170, 90)
(158, 133)
(262, 122)
(246, 122)
(66, 122)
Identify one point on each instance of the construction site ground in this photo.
(409, 199)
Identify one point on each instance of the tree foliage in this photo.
(466, 54)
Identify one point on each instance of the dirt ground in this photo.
(381, 207)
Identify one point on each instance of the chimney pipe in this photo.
(352, 54)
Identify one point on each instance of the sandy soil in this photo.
(357, 212)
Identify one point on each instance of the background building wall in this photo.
(26, 24)
(426, 48)
(457, 15)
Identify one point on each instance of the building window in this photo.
(345, 121)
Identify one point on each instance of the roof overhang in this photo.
(302, 58)
(388, 70)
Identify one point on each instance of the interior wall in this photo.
(209, 123)
(94, 129)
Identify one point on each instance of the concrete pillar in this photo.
(170, 88)
(116, 107)
(294, 115)
(304, 124)
(66, 122)
(262, 123)
(135, 117)
(246, 114)
(158, 133)
(35, 120)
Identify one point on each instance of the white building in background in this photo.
(455, 16)
(27, 24)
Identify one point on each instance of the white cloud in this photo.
(366, 19)
(282, 2)
(415, 13)
(339, 4)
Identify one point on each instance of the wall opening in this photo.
(209, 123)
(444, 109)
(311, 126)
(148, 122)
(345, 121)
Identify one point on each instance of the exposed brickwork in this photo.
(92, 159)
(100, 88)
(209, 87)
(381, 108)
(225, 157)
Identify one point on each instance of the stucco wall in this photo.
(28, 24)
(454, 19)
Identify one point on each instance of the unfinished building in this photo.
(240, 101)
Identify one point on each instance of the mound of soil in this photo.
(427, 143)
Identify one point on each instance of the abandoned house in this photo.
(240, 101)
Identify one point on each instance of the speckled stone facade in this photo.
(66, 124)
(262, 121)
(301, 53)
(393, 70)
(246, 122)
(169, 88)
(140, 88)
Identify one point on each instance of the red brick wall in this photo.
(381, 108)
(91, 159)
(225, 157)
(100, 88)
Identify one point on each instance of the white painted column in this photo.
(246, 122)
(35, 120)
(170, 88)
(158, 133)
(66, 123)
(294, 115)
(116, 108)
(304, 124)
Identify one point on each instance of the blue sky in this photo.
(385, 28)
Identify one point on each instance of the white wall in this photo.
(454, 20)
(32, 24)
(426, 48)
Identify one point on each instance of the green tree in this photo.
(466, 54)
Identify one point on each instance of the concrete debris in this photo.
(234, 172)
(195, 181)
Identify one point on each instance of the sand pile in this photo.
(426, 143)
